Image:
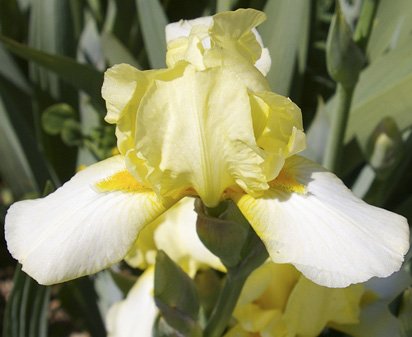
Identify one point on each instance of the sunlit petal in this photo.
(175, 233)
(196, 132)
(136, 315)
(310, 219)
(311, 307)
(233, 32)
(86, 225)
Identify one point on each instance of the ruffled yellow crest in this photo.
(222, 38)
(188, 129)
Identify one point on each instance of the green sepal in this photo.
(53, 117)
(223, 230)
(176, 297)
(344, 59)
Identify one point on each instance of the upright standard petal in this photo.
(233, 32)
(136, 315)
(86, 225)
(195, 132)
(310, 219)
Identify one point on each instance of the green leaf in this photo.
(220, 233)
(176, 296)
(19, 144)
(406, 313)
(15, 170)
(27, 308)
(80, 299)
(392, 27)
(405, 208)
(81, 76)
(10, 71)
(224, 5)
(383, 90)
(208, 284)
(317, 134)
(123, 282)
(153, 21)
(12, 20)
(284, 32)
(51, 31)
(115, 52)
(121, 21)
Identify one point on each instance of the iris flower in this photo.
(209, 127)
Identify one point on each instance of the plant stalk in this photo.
(235, 280)
(334, 147)
(225, 305)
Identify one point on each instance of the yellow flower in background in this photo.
(208, 127)
(278, 301)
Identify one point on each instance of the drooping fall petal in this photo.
(86, 225)
(310, 219)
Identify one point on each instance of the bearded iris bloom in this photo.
(207, 127)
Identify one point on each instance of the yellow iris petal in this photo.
(196, 132)
(311, 307)
(233, 32)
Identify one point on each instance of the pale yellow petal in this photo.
(278, 129)
(136, 315)
(311, 220)
(86, 225)
(196, 132)
(311, 307)
(233, 30)
(270, 285)
(123, 89)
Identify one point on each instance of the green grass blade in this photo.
(153, 21)
(81, 76)
(282, 35)
(383, 90)
(115, 52)
(27, 307)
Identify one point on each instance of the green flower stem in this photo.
(225, 305)
(334, 147)
(229, 295)
(344, 94)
